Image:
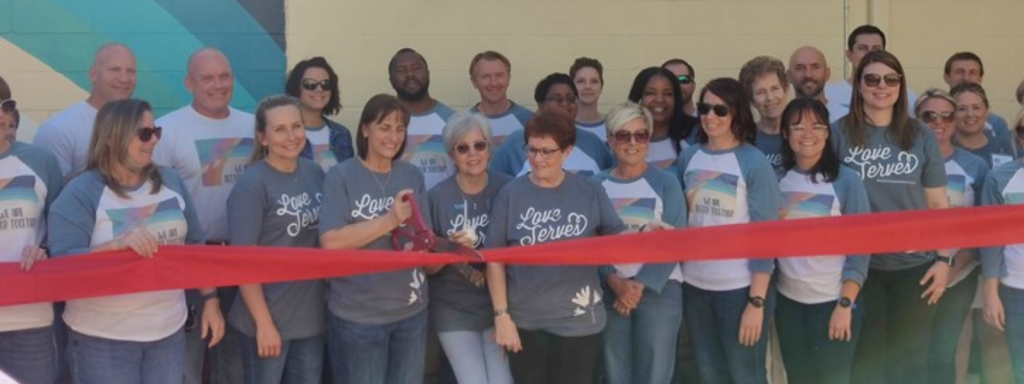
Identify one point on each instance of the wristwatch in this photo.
(756, 301)
(845, 302)
(945, 259)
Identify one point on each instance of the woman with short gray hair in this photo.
(459, 206)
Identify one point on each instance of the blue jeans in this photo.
(951, 313)
(391, 353)
(808, 353)
(301, 361)
(641, 348)
(29, 356)
(475, 357)
(96, 360)
(1013, 306)
(714, 320)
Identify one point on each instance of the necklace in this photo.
(383, 186)
(465, 198)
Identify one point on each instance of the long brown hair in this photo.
(902, 129)
(116, 125)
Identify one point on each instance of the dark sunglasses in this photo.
(684, 79)
(930, 117)
(873, 80)
(146, 133)
(641, 137)
(719, 109)
(8, 105)
(310, 84)
(463, 148)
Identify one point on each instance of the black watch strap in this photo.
(845, 302)
(945, 259)
(756, 301)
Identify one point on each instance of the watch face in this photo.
(844, 302)
(757, 302)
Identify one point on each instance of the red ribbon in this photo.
(177, 267)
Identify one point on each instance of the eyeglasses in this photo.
(799, 129)
(544, 153)
(463, 148)
(873, 80)
(311, 84)
(8, 105)
(684, 79)
(561, 100)
(642, 136)
(146, 133)
(719, 109)
(931, 117)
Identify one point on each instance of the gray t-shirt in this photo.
(894, 179)
(455, 303)
(354, 194)
(268, 207)
(563, 300)
(771, 145)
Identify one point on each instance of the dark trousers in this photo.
(950, 315)
(547, 358)
(893, 348)
(809, 355)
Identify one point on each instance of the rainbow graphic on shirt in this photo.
(956, 190)
(19, 204)
(635, 212)
(323, 155)
(800, 205)
(663, 163)
(1014, 198)
(427, 153)
(711, 193)
(223, 160)
(164, 219)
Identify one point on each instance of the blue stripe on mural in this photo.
(65, 33)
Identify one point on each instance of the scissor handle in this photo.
(413, 230)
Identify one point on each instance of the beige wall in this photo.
(716, 36)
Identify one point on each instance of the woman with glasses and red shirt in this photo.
(315, 84)
(645, 302)
(460, 207)
(902, 168)
(728, 181)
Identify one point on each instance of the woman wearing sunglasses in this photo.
(549, 317)
(30, 179)
(124, 201)
(460, 306)
(965, 173)
(971, 116)
(275, 203)
(818, 315)
(315, 84)
(728, 181)
(764, 77)
(902, 169)
(377, 326)
(590, 155)
(658, 90)
(646, 299)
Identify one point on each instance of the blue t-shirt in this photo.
(271, 208)
(563, 300)
(505, 123)
(598, 129)
(87, 214)
(995, 152)
(819, 279)
(894, 179)
(354, 194)
(732, 186)
(30, 179)
(653, 196)
(589, 155)
(455, 303)
(771, 146)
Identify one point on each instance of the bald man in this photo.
(67, 133)
(809, 72)
(209, 144)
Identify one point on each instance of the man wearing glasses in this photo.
(209, 145)
(687, 82)
(67, 134)
(410, 78)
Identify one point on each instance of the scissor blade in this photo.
(447, 246)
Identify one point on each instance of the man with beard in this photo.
(410, 78)
(809, 72)
(687, 82)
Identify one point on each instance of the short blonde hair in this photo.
(459, 125)
(624, 113)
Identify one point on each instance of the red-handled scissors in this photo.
(415, 231)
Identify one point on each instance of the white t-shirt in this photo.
(209, 155)
(320, 139)
(424, 146)
(67, 134)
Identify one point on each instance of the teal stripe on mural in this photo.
(65, 33)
